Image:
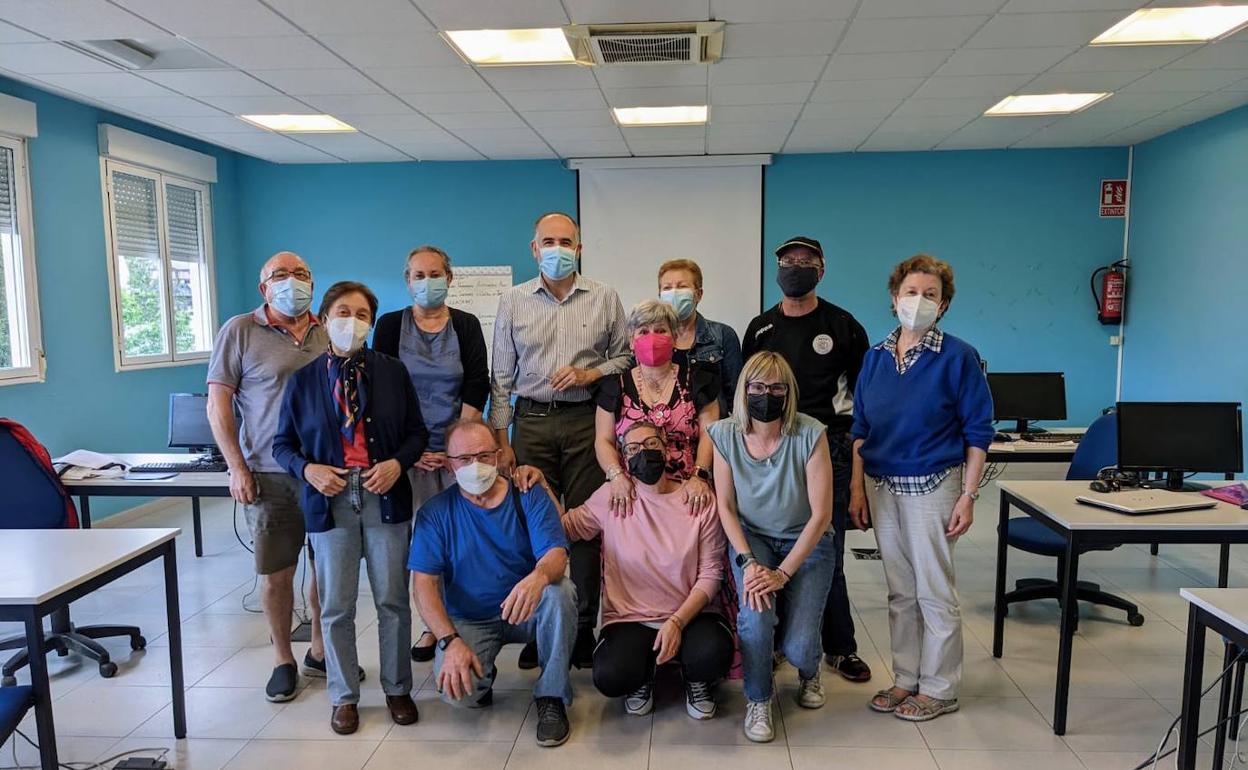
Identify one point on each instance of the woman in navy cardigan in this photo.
(350, 428)
(922, 426)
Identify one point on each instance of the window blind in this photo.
(134, 215)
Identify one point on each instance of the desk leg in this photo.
(84, 512)
(198, 526)
(1237, 700)
(175, 640)
(1224, 565)
(998, 606)
(1070, 615)
(43, 692)
(1193, 669)
(1224, 701)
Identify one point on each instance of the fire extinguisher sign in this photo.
(1113, 197)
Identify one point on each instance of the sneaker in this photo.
(852, 667)
(283, 684)
(552, 722)
(528, 657)
(641, 701)
(699, 702)
(583, 650)
(810, 693)
(758, 726)
(317, 668)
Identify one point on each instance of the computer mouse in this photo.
(1002, 437)
(1099, 486)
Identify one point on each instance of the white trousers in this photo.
(924, 619)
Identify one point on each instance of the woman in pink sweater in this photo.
(662, 569)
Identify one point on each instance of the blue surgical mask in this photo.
(681, 301)
(428, 292)
(290, 296)
(558, 262)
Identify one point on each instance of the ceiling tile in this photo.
(1186, 80)
(562, 101)
(655, 97)
(663, 133)
(874, 66)
(1042, 6)
(1122, 58)
(998, 86)
(449, 152)
(771, 69)
(1079, 82)
(375, 17)
(1229, 54)
(48, 58)
(512, 136)
(172, 106)
(754, 113)
(11, 34)
(884, 88)
(590, 149)
(358, 104)
(889, 9)
(418, 50)
(219, 18)
(428, 80)
(211, 83)
(400, 137)
(660, 147)
(1238, 85)
(993, 133)
(653, 75)
(864, 108)
(262, 53)
(829, 135)
(106, 85)
(318, 82)
(220, 124)
(405, 122)
(77, 19)
(899, 124)
(494, 14)
(615, 12)
(750, 11)
(484, 101)
(259, 105)
(1155, 101)
(353, 147)
(1216, 103)
(1043, 29)
(994, 61)
(584, 133)
(774, 93)
(265, 143)
(782, 38)
(1082, 129)
(966, 106)
(542, 119)
(519, 152)
(942, 33)
(736, 144)
(568, 76)
(454, 121)
(902, 141)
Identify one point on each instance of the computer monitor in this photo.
(1028, 396)
(188, 422)
(1180, 437)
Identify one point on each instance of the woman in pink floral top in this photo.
(680, 399)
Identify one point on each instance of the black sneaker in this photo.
(852, 667)
(552, 722)
(283, 684)
(316, 668)
(583, 650)
(528, 657)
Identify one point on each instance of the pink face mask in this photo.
(653, 349)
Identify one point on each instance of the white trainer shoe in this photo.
(810, 693)
(641, 701)
(758, 725)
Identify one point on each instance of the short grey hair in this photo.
(652, 312)
(623, 438)
(469, 423)
(446, 259)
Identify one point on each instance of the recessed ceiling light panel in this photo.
(1161, 26)
(1044, 104)
(299, 124)
(660, 116)
(501, 47)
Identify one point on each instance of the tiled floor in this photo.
(1125, 687)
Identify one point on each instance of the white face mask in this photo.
(476, 478)
(347, 334)
(917, 313)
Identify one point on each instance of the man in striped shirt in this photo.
(554, 337)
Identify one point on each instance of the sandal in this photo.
(927, 709)
(888, 701)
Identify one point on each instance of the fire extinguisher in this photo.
(1111, 295)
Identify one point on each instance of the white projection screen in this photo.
(634, 219)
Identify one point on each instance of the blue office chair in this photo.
(14, 703)
(1098, 449)
(34, 499)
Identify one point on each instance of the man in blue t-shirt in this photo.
(487, 564)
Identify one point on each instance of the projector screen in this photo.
(635, 219)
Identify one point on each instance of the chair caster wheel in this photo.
(8, 681)
(138, 643)
(1135, 619)
(108, 670)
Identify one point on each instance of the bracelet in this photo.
(787, 576)
(677, 621)
(614, 473)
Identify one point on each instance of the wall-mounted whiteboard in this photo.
(634, 219)
(476, 290)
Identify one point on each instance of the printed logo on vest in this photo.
(822, 344)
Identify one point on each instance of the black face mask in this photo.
(765, 407)
(797, 281)
(647, 466)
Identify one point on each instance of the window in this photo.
(21, 359)
(160, 263)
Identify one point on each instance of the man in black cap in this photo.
(825, 345)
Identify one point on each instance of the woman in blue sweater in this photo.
(922, 426)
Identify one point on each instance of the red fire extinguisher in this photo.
(1111, 295)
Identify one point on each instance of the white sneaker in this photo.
(699, 702)
(641, 701)
(758, 726)
(810, 693)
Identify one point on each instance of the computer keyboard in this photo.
(1052, 438)
(187, 467)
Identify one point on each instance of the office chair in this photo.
(35, 499)
(14, 703)
(1098, 449)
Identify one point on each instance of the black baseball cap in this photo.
(804, 242)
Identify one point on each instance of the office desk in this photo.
(192, 485)
(1081, 526)
(1225, 610)
(1033, 451)
(43, 570)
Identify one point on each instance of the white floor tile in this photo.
(216, 712)
(443, 755)
(272, 755)
(843, 758)
(187, 754)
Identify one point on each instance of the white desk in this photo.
(43, 570)
(1019, 451)
(1085, 526)
(1225, 610)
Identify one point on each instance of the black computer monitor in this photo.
(1180, 437)
(1028, 396)
(188, 422)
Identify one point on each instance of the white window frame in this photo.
(122, 362)
(28, 284)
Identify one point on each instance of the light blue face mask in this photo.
(290, 296)
(558, 262)
(428, 292)
(681, 301)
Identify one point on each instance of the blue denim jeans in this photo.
(552, 626)
(804, 598)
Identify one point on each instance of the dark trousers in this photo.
(625, 658)
(838, 619)
(559, 441)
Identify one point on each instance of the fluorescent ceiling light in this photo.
(1158, 26)
(660, 116)
(298, 124)
(1044, 104)
(488, 47)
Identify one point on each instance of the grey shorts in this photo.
(276, 522)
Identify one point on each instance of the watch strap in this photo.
(445, 641)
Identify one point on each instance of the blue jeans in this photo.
(804, 598)
(552, 626)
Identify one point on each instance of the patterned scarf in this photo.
(346, 376)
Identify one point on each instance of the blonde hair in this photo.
(427, 249)
(652, 312)
(688, 265)
(765, 365)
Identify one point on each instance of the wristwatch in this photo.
(445, 641)
(702, 473)
(973, 495)
(743, 559)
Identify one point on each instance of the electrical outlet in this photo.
(1115, 340)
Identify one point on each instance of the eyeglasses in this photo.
(281, 275)
(757, 388)
(489, 458)
(788, 261)
(634, 447)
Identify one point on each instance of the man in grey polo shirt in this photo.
(255, 353)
